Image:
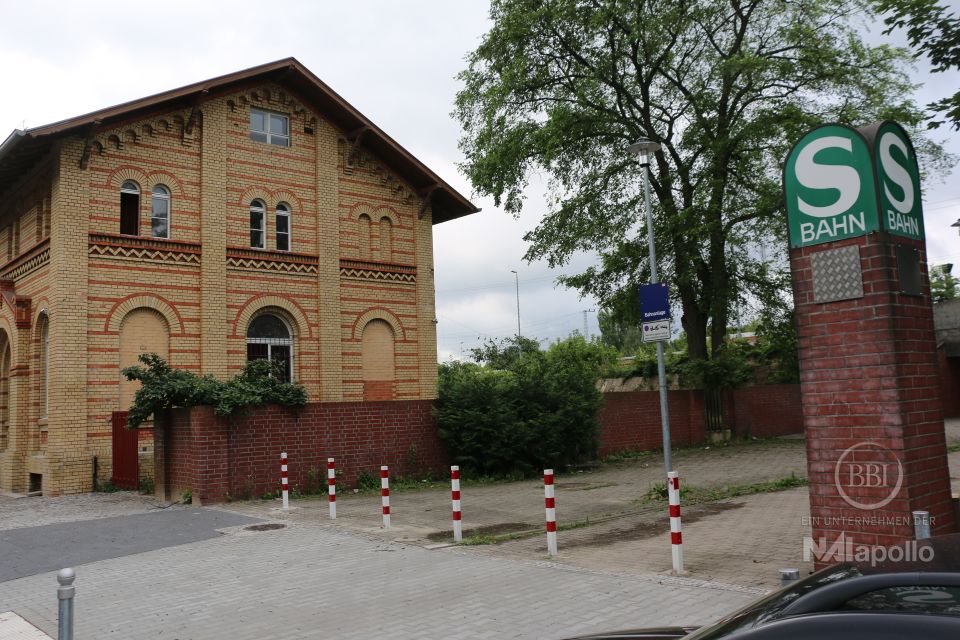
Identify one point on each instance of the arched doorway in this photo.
(377, 355)
(143, 330)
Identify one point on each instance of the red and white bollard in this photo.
(551, 505)
(284, 480)
(385, 494)
(332, 488)
(455, 497)
(676, 538)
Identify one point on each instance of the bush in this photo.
(163, 387)
(539, 412)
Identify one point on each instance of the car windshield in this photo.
(770, 607)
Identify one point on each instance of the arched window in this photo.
(269, 338)
(283, 227)
(363, 236)
(386, 239)
(130, 208)
(4, 389)
(160, 212)
(258, 236)
(44, 366)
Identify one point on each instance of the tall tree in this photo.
(561, 87)
(943, 286)
(933, 32)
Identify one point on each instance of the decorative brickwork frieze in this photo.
(143, 249)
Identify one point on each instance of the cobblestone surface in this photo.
(19, 512)
(311, 581)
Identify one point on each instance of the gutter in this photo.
(15, 136)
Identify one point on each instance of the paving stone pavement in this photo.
(309, 581)
(627, 536)
(18, 512)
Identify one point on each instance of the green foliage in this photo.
(772, 359)
(691, 495)
(933, 32)
(503, 354)
(559, 88)
(163, 387)
(367, 481)
(186, 496)
(146, 486)
(540, 412)
(622, 334)
(943, 286)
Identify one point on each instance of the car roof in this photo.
(855, 626)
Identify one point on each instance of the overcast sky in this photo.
(396, 62)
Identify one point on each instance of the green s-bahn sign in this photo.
(842, 182)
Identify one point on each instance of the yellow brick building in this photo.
(252, 215)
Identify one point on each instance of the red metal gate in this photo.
(126, 461)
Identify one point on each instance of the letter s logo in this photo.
(827, 176)
(895, 172)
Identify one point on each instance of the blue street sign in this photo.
(654, 302)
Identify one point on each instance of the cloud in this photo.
(396, 62)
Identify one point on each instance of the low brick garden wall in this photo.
(219, 459)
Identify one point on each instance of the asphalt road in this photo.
(33, 550)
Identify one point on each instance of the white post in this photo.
(551, 506)
(676, 538)
(284, 480)
(455, 497)
(385, 494)
(332, 487)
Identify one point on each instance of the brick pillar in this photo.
(213, 224)
(69, 462)
(330, 333)
(869, 386)
(426, 312)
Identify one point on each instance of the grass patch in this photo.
(734, 443)
(691, 494)
(953, 448)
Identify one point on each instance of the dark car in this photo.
(849, 601)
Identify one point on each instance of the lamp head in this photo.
(642, 148)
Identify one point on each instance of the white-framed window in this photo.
(160, 212)
(130, 208)
(283, 227)
(258, 236)
(272, 128)
(269, 338)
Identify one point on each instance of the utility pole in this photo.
(643, 149)
(516, 278)
(586, 327)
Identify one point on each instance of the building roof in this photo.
(23, 148)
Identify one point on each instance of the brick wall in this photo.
(630, 420)
(869, 374)
(767, 411)
(240, 457)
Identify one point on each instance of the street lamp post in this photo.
(643, 149)
(516, 279)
